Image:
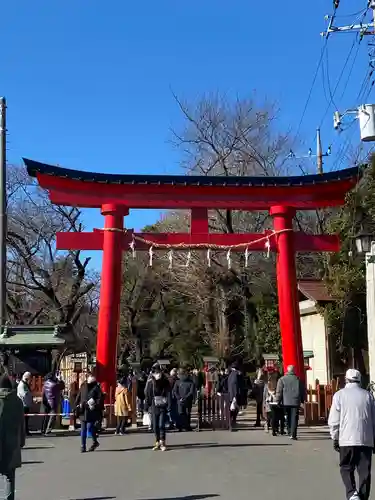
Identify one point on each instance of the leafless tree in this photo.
(44, 284)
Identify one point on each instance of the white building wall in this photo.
(314, 339)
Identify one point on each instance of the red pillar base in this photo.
(290, 323)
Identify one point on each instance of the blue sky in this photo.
(88, 82)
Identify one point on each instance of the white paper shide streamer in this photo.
(229, 259)
(170, 258)
(209, 257)
(268, 248)
(246, 257)
(151, 255)
(132, 248)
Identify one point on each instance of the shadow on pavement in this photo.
(95, 498)
(199, 446)
(38, 448)
(188, 497)
(32, 462)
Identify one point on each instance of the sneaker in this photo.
(157, 446)
(293, 438)
(266, 429)
(162, 446)
(83, 449)
(94, 446)
(355, 496)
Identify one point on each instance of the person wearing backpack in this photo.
(158, 400)
(12, 434)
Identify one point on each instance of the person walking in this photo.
(122, 407)
(351, 423)
(183, 394)
(258, 391)
(26, 396)
(158, 400)
(12, 434)
(50, 402)
(270, 406)
(88, 407)
(235, 390)
(290, 394)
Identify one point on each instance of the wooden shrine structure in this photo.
(116, 194)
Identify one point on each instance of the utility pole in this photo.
(319, 154)
(3, 213)
(361, 28)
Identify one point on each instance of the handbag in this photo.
(146, 420)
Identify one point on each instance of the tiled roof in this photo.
(315, 290)
(34, 167)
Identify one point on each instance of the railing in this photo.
(213, 412)
(319, 402)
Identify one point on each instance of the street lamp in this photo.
(365, 245)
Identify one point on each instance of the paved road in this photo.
(244, 465)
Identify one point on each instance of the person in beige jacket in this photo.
(122, 407)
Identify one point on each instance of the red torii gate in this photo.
(116, 194)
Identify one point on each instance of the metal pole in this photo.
(3, 213)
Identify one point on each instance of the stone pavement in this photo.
(227, 466)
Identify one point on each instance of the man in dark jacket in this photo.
(12, 434)
(183, 394)
(50, 402)
(290, 393)
(235, 391)
(89, 410)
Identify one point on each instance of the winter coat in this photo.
(51, 395)
(12, 430)
(223, 384)
(25, 394)
(122, 402)
(351, 419)
(183, 391)
(236, 386)
(158, 391)
(290, 390)
(87, 392)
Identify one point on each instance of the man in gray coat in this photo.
(352, 426)
(12, 434)
(290, 393)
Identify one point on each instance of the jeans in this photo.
(121, 425)
(10, 485)
(91, 428)
(292, 415)
(159, 418)
(354, 458)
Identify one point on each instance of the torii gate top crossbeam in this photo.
(88, 189)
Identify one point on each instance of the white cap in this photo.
(26, 376)
(353, 375)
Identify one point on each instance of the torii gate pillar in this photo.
(110, 296)
(290, 323)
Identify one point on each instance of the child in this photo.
(270, 406)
